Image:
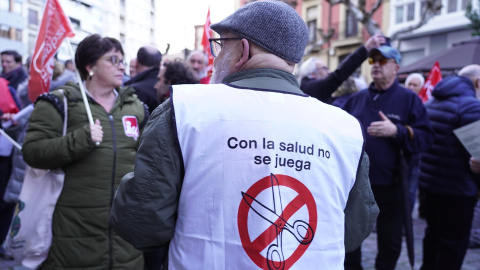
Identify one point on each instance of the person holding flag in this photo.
(93, 157)
(451, 187)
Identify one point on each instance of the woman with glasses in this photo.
(93, 157)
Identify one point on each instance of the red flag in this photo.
(433, 78)
(207, 33)
(53, 30)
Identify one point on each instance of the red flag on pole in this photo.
(433, 78)
(53, 30)
(207, 33)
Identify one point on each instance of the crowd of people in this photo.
(181, 170)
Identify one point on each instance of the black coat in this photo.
(144, 83)
(322, 89)
(444, 168)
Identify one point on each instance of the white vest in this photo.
(258, 158)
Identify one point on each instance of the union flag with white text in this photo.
(433, 78)
(207, 33)
(53, 30)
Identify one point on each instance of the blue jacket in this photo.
(444, 168)
(403, 108)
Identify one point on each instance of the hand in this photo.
(474, 165)
(375, 41)
(384, 128)
(96, 131)
(9, 117)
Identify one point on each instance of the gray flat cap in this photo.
(272, 25)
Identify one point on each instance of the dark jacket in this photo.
(403, 108)
(144, 83)
(322, 89)
(82, 236)
(15, 77)
(444, 168)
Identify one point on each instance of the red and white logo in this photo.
(284, 231)
(130, 126)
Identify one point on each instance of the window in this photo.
(451, 6)
(18, 35)
(399, 14)
(312, 24)
(32, 39)
(465, 3)
(410, 12)
(5, 5)
(352, 24)
(32, 17)
(17, 7)
(422, 7)
(4, 31)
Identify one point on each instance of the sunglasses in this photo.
(381, 61)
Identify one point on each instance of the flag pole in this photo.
(18, 146)
(80, 83)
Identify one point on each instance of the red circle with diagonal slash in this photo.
(304, 197)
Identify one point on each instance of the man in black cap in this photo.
(231, 175)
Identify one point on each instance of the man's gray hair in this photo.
(471, 71)
(198, 52)
(415, 75)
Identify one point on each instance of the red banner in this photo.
(207, 33)
(53, 30)
(433, 78)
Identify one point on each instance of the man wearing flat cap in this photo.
(396, 122)
(232, 175)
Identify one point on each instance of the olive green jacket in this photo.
(82, 237)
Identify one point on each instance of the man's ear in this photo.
(397, 68)
(245, 54)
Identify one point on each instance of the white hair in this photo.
(415, 75)
(198, 52)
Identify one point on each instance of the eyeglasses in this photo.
(381, 61)
(115, 60)
(216, 45)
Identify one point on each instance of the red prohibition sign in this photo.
(253, 247)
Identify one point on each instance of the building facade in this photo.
(132, 22)
(335, 32)
(448, 27)
(13, 26)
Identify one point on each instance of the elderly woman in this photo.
(93, 157)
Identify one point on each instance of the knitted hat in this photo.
(272, 25)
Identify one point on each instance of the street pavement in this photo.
(369, 251)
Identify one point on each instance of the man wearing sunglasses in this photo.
(396, 121)
(232, 175)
